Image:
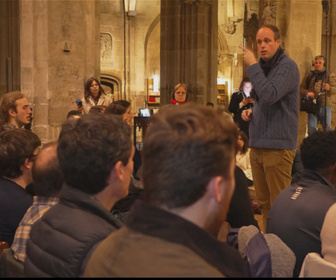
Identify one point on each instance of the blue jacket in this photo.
(275, 117)
(298, 212)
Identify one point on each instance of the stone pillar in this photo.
(60, 50)
(189, 39)
(303, 42)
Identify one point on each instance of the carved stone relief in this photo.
(269, 14)
(66, 27)
(105, 46)
(229, 28)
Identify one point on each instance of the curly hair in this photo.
(16, 145)
(89, 147)
(318, 150)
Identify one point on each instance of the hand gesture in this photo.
(249, 57)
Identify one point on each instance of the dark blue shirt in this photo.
(14, 202)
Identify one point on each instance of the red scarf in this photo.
(173, 101)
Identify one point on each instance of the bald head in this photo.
(47, 175)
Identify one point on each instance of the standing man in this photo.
(315, 84)
(14, 111)
(273, 125)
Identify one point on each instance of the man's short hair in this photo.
(318, 150)
(274, 28)
(115, 109)
(122, 102)
(74, 113)
(89, 147)
(185, 146)
(97, 109)
(9, 102)
(47, 174)
(16, 145)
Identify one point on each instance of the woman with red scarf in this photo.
(180, 95)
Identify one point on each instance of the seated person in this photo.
(243, 157)
(18, 149)
(188, 159)
(298, 212)
(95, 155)
(47, 182)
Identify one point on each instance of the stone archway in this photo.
(112, 85)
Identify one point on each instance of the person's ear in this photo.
(215, 186)
(12, 113)
(27, 164)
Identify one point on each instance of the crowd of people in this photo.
(79, 207)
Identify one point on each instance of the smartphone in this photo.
(244, 43)
(79, 103)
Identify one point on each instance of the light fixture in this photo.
(129, 6)
(155, 81)
(66, 47)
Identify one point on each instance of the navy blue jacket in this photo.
(14, 203)
(298, 212)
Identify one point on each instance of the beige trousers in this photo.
(271, 171)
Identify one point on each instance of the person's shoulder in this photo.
(284, 58)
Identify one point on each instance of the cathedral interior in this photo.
(139, 49)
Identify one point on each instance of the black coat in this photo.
(240, 210)
(236, 98)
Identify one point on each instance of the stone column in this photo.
(188, 51)
(303, 42)
(60, 50)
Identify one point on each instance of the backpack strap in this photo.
(309, 77)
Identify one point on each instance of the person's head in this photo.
(128, 116)
(96, 151)
(116, 109)
(18, 150)
(180, 93)
(74, 114)
(210, 104)
(243, 142)
(93, 88)
(187, 149)
(319, 63)
(245, 85)
(268, 41)
(318, 152)
(47, 175)
(97, 109)
(15, 109)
